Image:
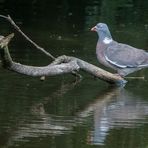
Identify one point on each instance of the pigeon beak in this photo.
(94, 29)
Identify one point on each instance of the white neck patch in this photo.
(107, 40)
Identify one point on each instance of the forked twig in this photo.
(10, 20)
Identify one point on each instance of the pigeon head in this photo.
(102, 30)
(100, 27)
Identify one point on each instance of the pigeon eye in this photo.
(100, 26)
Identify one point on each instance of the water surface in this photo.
(62, 112)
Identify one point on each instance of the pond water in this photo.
(61, 112)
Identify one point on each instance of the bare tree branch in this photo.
(9, 19)
(61, 65)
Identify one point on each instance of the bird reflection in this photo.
(113, 108)
(117, 108)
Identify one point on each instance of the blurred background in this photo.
(60, 112)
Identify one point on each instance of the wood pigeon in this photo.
(123, 58)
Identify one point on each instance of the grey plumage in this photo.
(123, 58)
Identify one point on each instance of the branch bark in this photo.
(61, 65)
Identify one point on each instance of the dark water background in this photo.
(60, 113)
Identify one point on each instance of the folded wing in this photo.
(125, 56)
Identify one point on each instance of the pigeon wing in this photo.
(123, 56)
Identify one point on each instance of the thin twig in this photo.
(9, 19)
(140, 78)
